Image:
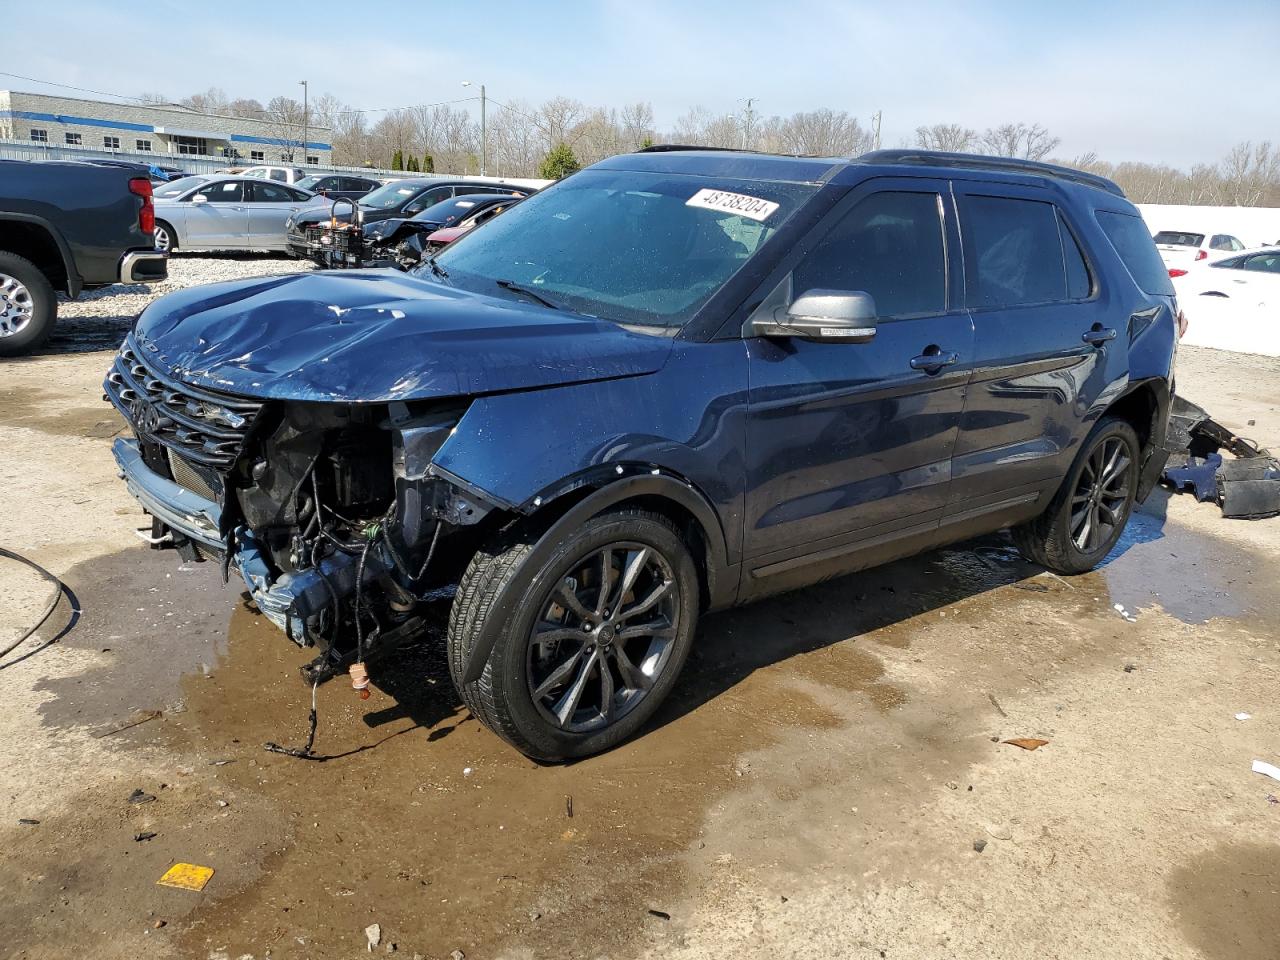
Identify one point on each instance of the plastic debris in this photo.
(186, 876)
(1244, 716)
(373, 933)
(28, 822)
(144, 835)
(979, 845)
(1119, 608)
(1026, 743)
(1266, 769)
(139, 796)
(1247, 487)
(660, 914)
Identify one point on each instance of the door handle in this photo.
(1098, 335)
(933, 362)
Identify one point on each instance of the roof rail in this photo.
(939, 158)
(673, 147)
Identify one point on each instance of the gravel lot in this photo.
(829, 779)
(101, 318)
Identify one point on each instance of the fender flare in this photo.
(75, 283)
(722, 580)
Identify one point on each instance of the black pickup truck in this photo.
(67, 227)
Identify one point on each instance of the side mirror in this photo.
(827, 316)
(199, 198)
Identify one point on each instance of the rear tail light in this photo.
(141, 186)
(1177, 272)
(1202, 254)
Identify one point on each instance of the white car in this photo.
(1179, 249)
(289, 175)
(219, 212)
(1234, 303)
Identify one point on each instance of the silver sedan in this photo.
(218, 212)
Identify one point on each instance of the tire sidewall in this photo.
(1104, 431)
(44, 305)
(509, 660)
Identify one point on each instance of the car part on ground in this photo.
(68, 227)
(1246, 487)
(673, 382)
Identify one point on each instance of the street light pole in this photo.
(484, 133)
(304, 121)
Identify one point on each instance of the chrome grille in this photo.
(200, 425)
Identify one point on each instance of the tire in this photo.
(541, 583)
(1059, 538)
(28, 305)
(166, 238)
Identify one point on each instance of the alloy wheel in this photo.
(16, 305)
(162, 239)
(1101, 497)
(603, 637)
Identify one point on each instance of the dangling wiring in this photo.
(58, 589)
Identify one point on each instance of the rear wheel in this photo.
(28, 305)
(1088, 514)
(165, 239)
(602, 624)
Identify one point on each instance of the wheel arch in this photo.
(1145, 407)
(592, 492)
(173, 231)
(40, 242)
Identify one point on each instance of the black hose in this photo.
(49, 607)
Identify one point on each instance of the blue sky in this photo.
(1166, 81)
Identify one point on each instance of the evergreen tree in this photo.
(559, 163)
(413, 164)
(428, 163)
(397, 161)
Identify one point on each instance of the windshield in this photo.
(392, 195)
(1177, 239)
(646, 248)
(308, 183)
(176, 188)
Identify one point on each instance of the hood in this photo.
(379, 335)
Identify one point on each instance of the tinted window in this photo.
(1177, 238)
(1078, 284)
(270, 193)
(226, 191)
(391, 195)
(1013, 251)
(890, 246)
(1263, 262)
(176, 188)
(1220, 242)
(1128, 235)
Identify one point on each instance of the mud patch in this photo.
(1228, 902)
(48, 412)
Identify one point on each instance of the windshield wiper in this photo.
(516, 288)
(438, 270)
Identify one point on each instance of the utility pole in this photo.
(304, 121)
(484, 133)
(748, 121)
(875, 130)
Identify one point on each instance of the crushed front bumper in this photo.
(287, 600)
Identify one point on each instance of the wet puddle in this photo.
(422, 821)
(49, 412)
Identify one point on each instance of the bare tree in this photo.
(247, 108)
(824, 133)
(637, 125)
(284, 118)
(1019, 140)
(951, 137)
(213, 100)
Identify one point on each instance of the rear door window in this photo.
(891, 246)
(1128, 235)
(1013, 251)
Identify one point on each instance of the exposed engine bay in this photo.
(331, 513)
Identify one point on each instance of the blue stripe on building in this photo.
(143, 127)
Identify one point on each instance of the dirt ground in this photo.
(817, 787)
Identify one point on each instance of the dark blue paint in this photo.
(813, 458)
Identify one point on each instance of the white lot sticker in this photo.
(739, 203)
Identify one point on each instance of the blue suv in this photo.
(676, 381)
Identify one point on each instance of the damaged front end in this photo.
(332, 513)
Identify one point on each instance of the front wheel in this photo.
(28, 305)
(602, 623)
(1086, 517)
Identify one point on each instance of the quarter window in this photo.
(890, 245)
(1079, 286)
(39, 136)
(1131, 241)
